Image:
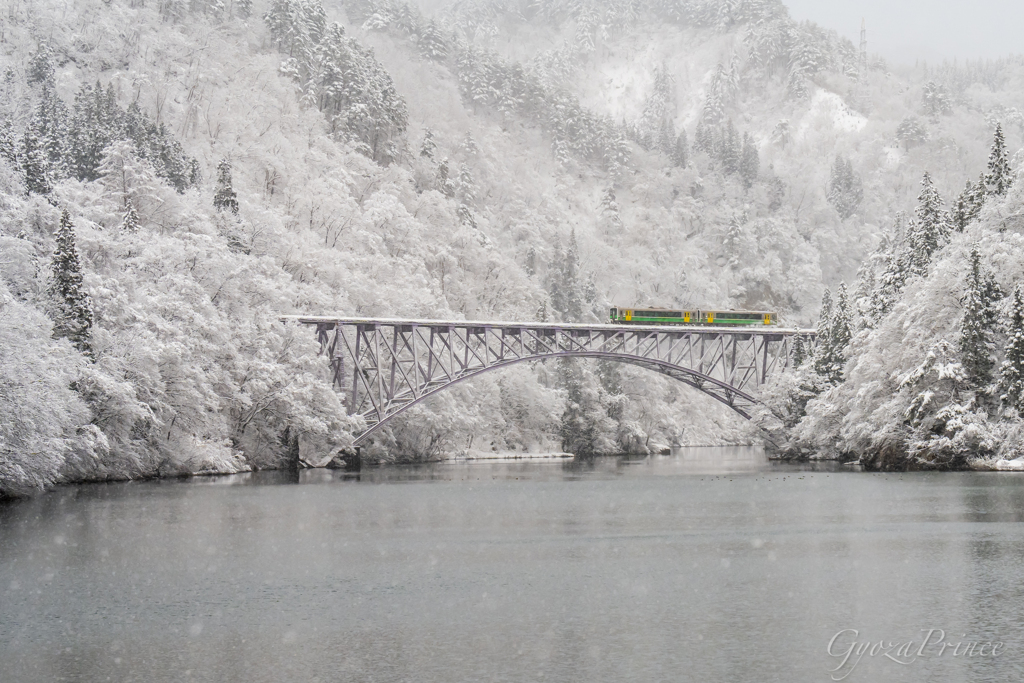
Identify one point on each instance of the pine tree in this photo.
(999, 178)
(679, 155)
(40, 64)
(577, 430)
(432, 43)
(799, 351)
(845, 191)
(610, 208)
(444, 181)
(834, 337)
(72, 308)
(929, 229)
(467, 186)
(968, 205)
(700, 138)
(130, 221)
(43, 147)
(244, 8)
(225, 198)
(428, 147)
(824, 335)
(750, 164)
(469, 145)
(729, 153)
(1011, 374)
(571, 280)
(975, 326)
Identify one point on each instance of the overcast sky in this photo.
(933, 30)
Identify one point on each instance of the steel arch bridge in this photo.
(386, 365)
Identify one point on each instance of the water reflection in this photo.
(706, 564)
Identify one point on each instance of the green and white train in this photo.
(665, 316)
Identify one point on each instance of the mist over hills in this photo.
(225, 162)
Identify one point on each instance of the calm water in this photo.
(711, 565)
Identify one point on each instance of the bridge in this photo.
(385, 365)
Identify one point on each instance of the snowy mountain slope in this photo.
(552, 183)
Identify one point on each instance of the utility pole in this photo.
(863, 49)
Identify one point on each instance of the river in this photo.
(707, 565)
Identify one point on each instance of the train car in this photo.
(664, 316)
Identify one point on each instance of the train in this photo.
(623, 315)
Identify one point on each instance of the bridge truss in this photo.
(386, 366)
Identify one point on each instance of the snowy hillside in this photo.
(220, 163)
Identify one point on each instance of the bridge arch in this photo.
(386, 366)
(687, 376)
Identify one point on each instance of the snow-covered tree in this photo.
(911, 132)
(680, 154)
(929, 229)
(999, 176)
(428, 146)
(40, 64)
(845, 190)
(833, 336)
(44, 145)
(39, 411)
(975, 340)
(71, 306)
(936, 99)
(1011, 373)
(445, 184)
(822, 355)
(225, 198)
(968, 205)
(130, 220)
(749, 162)
(432, 42)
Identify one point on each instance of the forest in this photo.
(177, 175)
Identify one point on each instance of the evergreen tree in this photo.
(95, 123)
(729, 152)
(40, 65)
(577, 430)
(432, 43)
(244, 8)
(833, 337)
(911, 133)
(130, 220)
(799, 351)
(968, 205)
(679, 155)
(43, 147)
(1011, 374)
(700, 139)
(749, 162)
(444, 181)
(845, 191)
(824, 334)
(428, 147)
(72, 308)
(929, 229)
(467, 186)
(936, 99)
(999, 178)
(610, 208)
(975, 326)
(225, 198)
(469, 145)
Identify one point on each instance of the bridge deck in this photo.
(729, 329)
